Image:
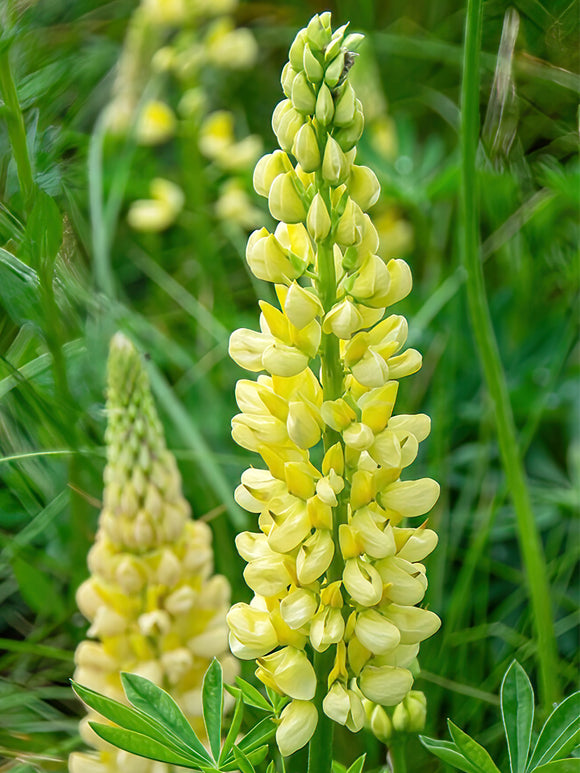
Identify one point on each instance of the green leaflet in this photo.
(560, 734)
(517, 711)
(213, 704)
(448, 752)
(144, 746)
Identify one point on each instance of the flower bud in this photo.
(324, 106)
(345, 107)
(335, 166)
(298, 607)
(415, 544)
(348, 136)
(385, 684)
(358, 436)
(414, 623)
(301, 306)
(326, 628)
(303, 97)
(303, 427)
(337, 414)
(267, 169)
(268, 576)
(318, 220)
(305, 148)
(286, 123)
(334, 70)
(373, 533)
(317, 34)
(410, 715)
(375, 632)
(342, 320)
(333, 460)
(312, 66)
(344, 706)
(381, 725)
(297, 725)
(363, 186)
(353, 41)
(296, 53)
(411, 497)
(287, 78)
(253, 630)
(284, 200)
(407, 583)
(290, 672)
(314, 556)
(362, 581)
(377, 406)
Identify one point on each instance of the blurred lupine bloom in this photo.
(181, 39)
(154, 604)
(333, 566)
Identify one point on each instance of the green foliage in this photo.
(558, 737)
(153, 726)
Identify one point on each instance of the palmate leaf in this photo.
(160, 706)
(471, 750)
(143, 745)
(132, 719)
(234, 729)
(517, 711)
(257, 736)
(213, 704)
(448, 752)
(560, 734)
(252, 696)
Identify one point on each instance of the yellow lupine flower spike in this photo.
(154, 604)
(334, 571)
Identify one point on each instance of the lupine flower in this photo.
(154, 604)
(334, 567)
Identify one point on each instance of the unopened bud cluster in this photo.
(154, 605)
(333, 568)
(181, 40)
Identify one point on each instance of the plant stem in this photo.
(397, 756)
(488, 351)
(16, 128)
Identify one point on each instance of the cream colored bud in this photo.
(358, 436)
(381, 725)
(176, 663)
(88, 599)
(180, 601)
(298, 608)
(324, 106)
(371, 370)
(253, 629)
(345, 106)
(371, 285)
(348, 136)
(343, 320)
(302, 306)
(297, 725)
(154, 623)
(326, 628)
(284, 201)
(269, 261)
(312, 66)
(169, 570)
(282, 360)
(247, 348)
(362, 581)
(363, 186)
(252, 546)
(333, 460)
(267, 169)
(92, 654)
(414, 623)
(410, 715)
(386, 450)
(374, 534)
(318, 220)
(314, 557)
(296, 53)
(344, 706)
(287, 79)
(290, 671)
(335, 69)
(346, 232)
(268, 576)
(385, 685)
(286, 121)
(303, 97)
(303, 427)
(377, 406)
(405, 364)
(411, 497)
(407, 582)
(317, 33)
(375, 632)
(290, 527)
(337, 414)
(415, 544)
(335, 166)
(107, 622)
(305, 148)
(362, 489)
(401, 281)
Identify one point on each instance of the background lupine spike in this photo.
(333, 569)
(154, 604)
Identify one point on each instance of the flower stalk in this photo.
(334, 623)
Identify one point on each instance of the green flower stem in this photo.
(397, 755)
(16, 128)
(529, 539)
(320, 746)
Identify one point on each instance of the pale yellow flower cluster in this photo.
(334, 569)
(155, 606)
(182, 39)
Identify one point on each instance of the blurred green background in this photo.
(72, 271)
